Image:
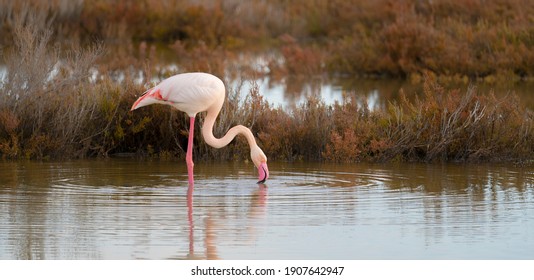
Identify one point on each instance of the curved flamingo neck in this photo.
(207, 132)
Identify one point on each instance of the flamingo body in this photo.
(198, 92)
(189, 92)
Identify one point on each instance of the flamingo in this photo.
(199, 92)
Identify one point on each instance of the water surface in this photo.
(129, 209)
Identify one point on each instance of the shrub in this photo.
(451, 126)
(42, 96)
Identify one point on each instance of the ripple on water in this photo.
(129, 210)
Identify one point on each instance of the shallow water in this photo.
(128, 209)
(376, 94)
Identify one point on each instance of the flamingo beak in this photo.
(263, 172)
(151, 96)
(141, 101)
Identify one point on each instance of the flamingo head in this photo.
(151, 96)
(260, 161)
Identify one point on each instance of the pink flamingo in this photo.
(198, 92)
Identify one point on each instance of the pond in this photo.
(290, 91)
(377, 94)
(142, 209)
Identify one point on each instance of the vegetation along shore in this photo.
(70, 71)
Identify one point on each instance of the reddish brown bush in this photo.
(59, 99)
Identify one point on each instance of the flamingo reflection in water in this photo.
(258, 207)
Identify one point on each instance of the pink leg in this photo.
(189, 155)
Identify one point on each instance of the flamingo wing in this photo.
(191, 92)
